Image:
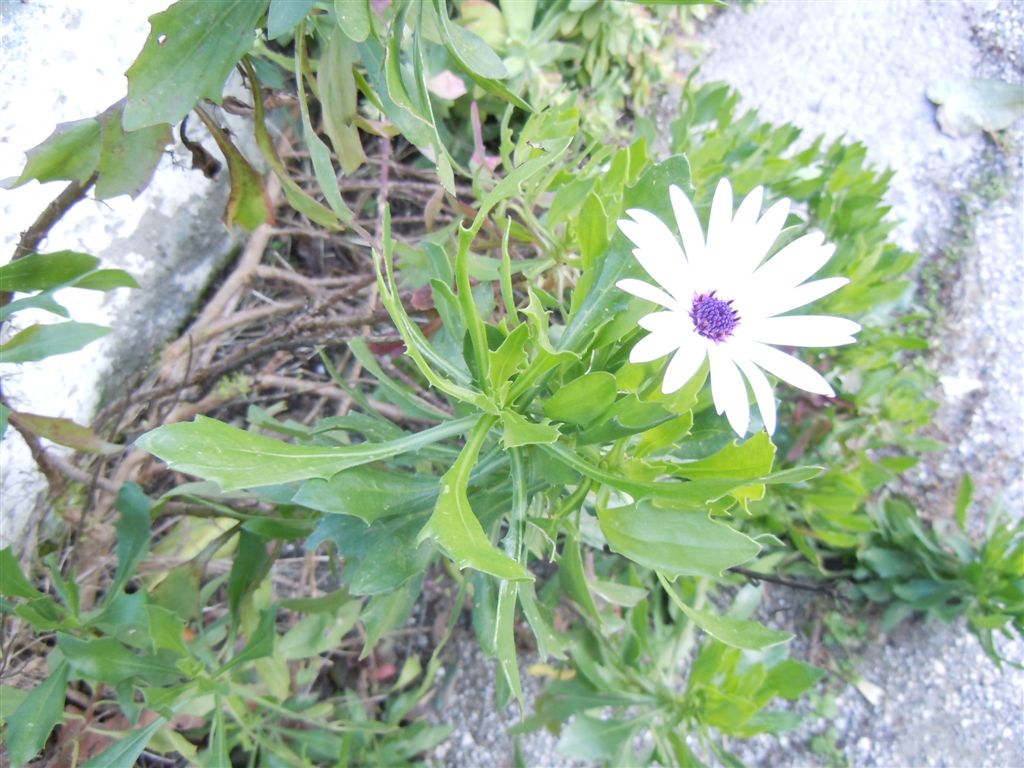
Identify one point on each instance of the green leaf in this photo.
(691, 494)
(41, 271)
(387, 612)
(30, 724)
(788, 680)
(12, 581)
(132, 532)
(298, 198)
(70, 153)
(474, 52)
(5, 414)
(106, 660)
(468, 48)
(339, 100)
(238, 459)
(519, 430)
(128, 159)
(40, 341)
(744, 634)
(66, 432)
(248, 203)
(191, 49)
(675, 542)
(454, 525)
(378, 558)
(216, 755)
(505, 640)
(247, 569)
(319, 154)
(284, 15)
(106, 279)
(318, 632)
(369, 493)
(354, 18)
(260, 645)
(583, 399)
(963, 501)
(592, 230)
(592, 739)
(970, 105)
(166, 630)
(749, 459)
(629, 415)
(43, 301)
(10, 699)
(125, 753)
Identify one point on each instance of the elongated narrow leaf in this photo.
(260, 645)
(297, 197)
(191, 49)
(319, 154)
(474, 56)
(248, 203)
(582, 400)
(30, 724)
(66, 432)
(238, 459)
(40, 271)
(339, 100)
(674, 541)
(739, 633)
(132, 533)
(468, 48)
(125, 753)
(40, 341)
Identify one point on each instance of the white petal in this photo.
(728, 390)
(647, 291)
(762, 391)
(743, 226)
(720, 223)
(803, 331)
(689, 228)
(783, 301)
(653, 346)
(794, 263)
(684, 364)
(657, 250)
(765, 232)
(789, 369)
(671, 323)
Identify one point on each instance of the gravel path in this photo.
(860, 69)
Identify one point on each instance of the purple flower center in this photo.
(713, 318)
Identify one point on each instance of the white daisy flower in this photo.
(723, 304)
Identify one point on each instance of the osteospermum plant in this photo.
(723, 301)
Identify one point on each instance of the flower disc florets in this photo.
(724, 302)
(713, 318)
